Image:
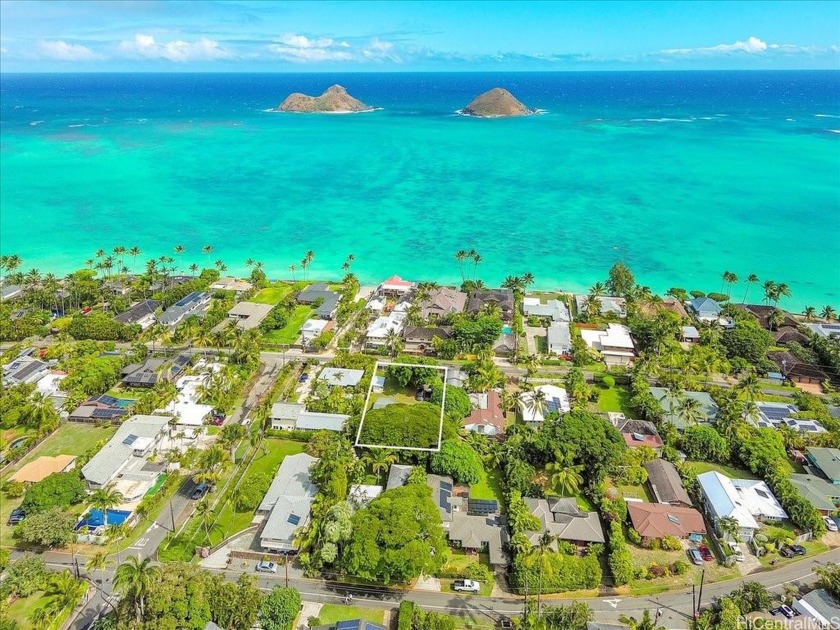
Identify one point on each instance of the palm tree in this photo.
(544, 544)
(211, 462)
(40, 413)
(98, 562)
(750, 387)
(461, 255)
(307, 261)
(690, 410)
(528, 278)
(66, 591)
(674, 396)
(769, 290)
(293, 268)
(828, 313)
(810, 313)
(249, 262)
(537, 403)
(104, 499)
(477, 260)
(207, 250)
(393, 341)
(135, 578)
(729, 278)
(193, 269)
(179, 251)
(729, 527)
(751, 280)
(220, 265)
(379, 460)
(565, 478)
(782, 290)
(645, 623)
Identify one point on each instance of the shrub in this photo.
(560, 572)
(413, 425)
(14, 489)
(480, 572)
(406, 615)
(608, 381)
(620, 558)
(634, 536)
(564, 546)
(679, 567)
(458, 460)
(457, 405)
(671, 543)
(57, 490)
(656, 571)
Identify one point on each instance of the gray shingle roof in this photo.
(348, 378)
(397, 476)
(138, 312)
(827, 460)
(817, 490)
(579, 527)
(112, 457)
(666, 483)
(289, 499)
(320, 291)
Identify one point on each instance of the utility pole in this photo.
(700, 596)
(693, 602)
(172, 515)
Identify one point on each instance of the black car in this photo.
(787, 552)
(199, 492)
(16, 516)
(798, 550)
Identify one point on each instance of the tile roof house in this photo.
(563, 519)
(705, 309)
(191, 304)
(472, 524)
(43, 467)
(288, 502)
(341, 376)
(312, 328)
(145, 374)
(689, 334)
(559, 337)
(142, 314)
(827, 460)
(823, 495)
(395, 286)
(505, 345)
(295, 417)
(609, 304)
(248, 315)
(24, 369)
(636, 433)
(774, 415)
(764, 315)
(670, 409)
(418, 339)
(794, 369)
(666, 483)
(788, 334)
(749, 501)
(820, 606)
(320, 292)
(503, 298)
(555, 310)
(657, 520)
(127, 451)
(487, 416)
(228, 283)
(377, 332)
(673, 305)
(823, 329)
(442, 301)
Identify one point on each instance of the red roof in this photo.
(493, 415)
(397, 281)
(655, 520)
(654, 441)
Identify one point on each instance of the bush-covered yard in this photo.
(289, 333)
(22, 608)
(643, 558)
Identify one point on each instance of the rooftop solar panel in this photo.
(105, 399)
(131, 439)
(445, 485)
(294, 519)
(482, 507)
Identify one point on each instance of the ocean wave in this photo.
(790, 119)
(834, 130)
(663, 120)
(74, 126)
(826, 116)
(36, 122)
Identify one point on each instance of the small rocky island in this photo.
(496, 103)
(335, 100)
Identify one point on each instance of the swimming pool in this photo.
(506, 330)
(94, 519)
(122, 403)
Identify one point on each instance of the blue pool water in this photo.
(507, 330)
(124, 402)
(94, 519)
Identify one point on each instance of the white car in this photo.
(266, 567)
(468, 586)
(736, 551)
(830, 524)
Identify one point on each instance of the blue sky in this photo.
(227, 36)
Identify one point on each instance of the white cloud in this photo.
(62, 51)
(302, 49)
(179, 51)
(378, 50)
(752, 46)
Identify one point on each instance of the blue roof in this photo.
(705, 305)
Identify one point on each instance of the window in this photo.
(673, 519)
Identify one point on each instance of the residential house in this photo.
(192, 304)
(823, 329)
(666, 484)
(474, 525)
(9, 291)
(636, 433)
(142, 313)
(248, 315)
(556, 400)
(820, 607)
(322, 295)
(378, 331)
(552, 310)
(118, 287)
(824, 496)
(748, 501)
(654, 521)
(418, 339)
(313, 328)
(764, 316)
(671, 408)
(705, 309)
(146, 374)
(787, 334)
(559, 338)
(395, 287)
(361, 494)
(487, 417)
(563, 519)
(341, 377)
(102, 408)
(610, 305)
(689, 334)
(795, 370)
(614, 344)
(442, 301)
(826, 460)
(398, 476)
(456, 377)
(505, 345)
(774, 415)
(127, 452)
(228, 283)
(287, 503)
(295, 417)
(503, 298)
(42, 467)
(673, 305)
(186, 407)
(24, 369)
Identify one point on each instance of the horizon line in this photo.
(524, 71)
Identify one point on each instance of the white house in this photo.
(313, 328)
(749, 501)
(615, 343)
(377, 332)
(295, 417)
(395, 286)
(287, 502)
(820, 608)
(556, 399)
(559, 338)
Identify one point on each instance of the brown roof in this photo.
(442, 301)
(503, 298)
(492, 415)
(426, 333)
(763, 313)
(666, 482)
(655, 520)
(786, 334)
(43, 467)
(668, 304)
(792, 367)
(632, 430)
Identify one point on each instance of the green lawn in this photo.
(615, 399)
(289, 333)
(490, 487)
(276, 292)
(20, 610)
(729, 471)
(331, 614)
(636, 492)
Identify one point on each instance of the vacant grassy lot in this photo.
(490, 487)
(614, 399)
(645, 557)
(331, 614)
(289, 333)
(276, 292)
(729, 471)
(71, 438)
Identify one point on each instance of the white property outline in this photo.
(376, 367)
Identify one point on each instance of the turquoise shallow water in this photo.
(680, 175)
